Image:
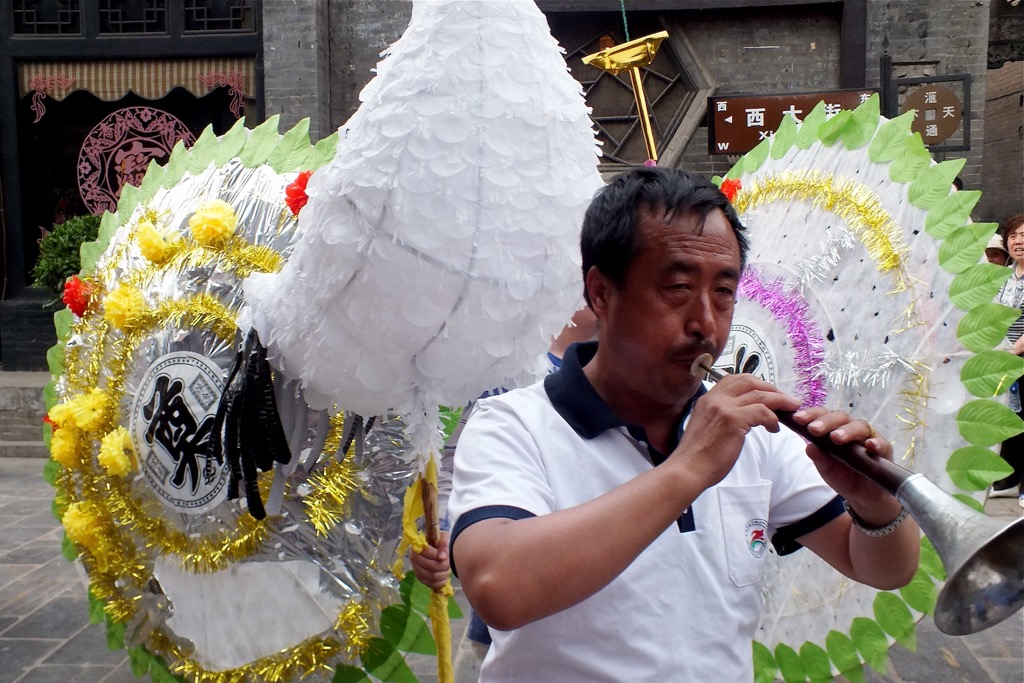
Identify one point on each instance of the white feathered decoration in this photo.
(439, 250)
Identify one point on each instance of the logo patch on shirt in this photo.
(757, 537)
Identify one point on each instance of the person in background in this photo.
(611, 522)
(1012, 294)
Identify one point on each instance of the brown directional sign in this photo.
(737, 124)
(937, 112)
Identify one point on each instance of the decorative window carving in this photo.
(133, 16)
(47, 17)
(219, 15)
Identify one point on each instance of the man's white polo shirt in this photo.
(687, 608)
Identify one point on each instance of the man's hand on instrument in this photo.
(861, 492)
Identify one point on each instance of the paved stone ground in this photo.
(45, 636)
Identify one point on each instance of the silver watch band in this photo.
(876, 532)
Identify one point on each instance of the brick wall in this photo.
(296, 64)
(1002, 181)
(360, 31)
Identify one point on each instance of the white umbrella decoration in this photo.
(863, 260)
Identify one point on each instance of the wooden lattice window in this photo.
(47, 17)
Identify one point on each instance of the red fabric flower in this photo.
(47, 420)
(76, 295)
(730, 187)
(295, 194)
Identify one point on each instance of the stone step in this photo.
(21, 414)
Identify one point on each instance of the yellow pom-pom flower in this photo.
(151, 243)
(64, 447)
(123, 306)
(81, 525)
(89, 410)
(60, 415)
(213, 223)
(116, 452)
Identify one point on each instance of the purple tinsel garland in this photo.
(790, 310)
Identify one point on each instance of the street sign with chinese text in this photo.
(737, 124)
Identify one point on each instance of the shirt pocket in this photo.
(744, 513)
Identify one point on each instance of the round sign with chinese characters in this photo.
(748, 351)
(939, 112)
(171, 425)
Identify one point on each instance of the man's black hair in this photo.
(609, 238)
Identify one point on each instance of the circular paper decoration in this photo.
(851, 301)
(118, 150)
(185, 577)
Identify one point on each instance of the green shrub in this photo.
(59, 252)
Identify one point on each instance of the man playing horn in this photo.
(611, 522)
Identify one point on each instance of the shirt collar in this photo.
(579, 404)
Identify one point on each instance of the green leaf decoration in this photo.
(349, 674)
(756, 157)
(449, 420)
(292, 150)
(737, 169)
(970, 502)
(871, 642)
(151, 182)
(863, 123)
(717, 180)
(128, 199)
(56, 509)
(984, 422)
(977, 285)
(974, 468)
(790, 666)
(785, 137)
(890, 139)
(384, 662)
(935, 184)
(62, 321)
(833, 129)
(231, 143)
(55, 359)
(930, 561)
(984, 327)
(109, 224)
(808, 133)
(203, 151)
(990, 373)
(765, 667)
(406, 630)
(893, 615)
(261, 142)
(158, 673)
(139, 660)
(50, 395)
(912, 160)
(89, 253)
(322, 152)
(50, 471)
(176, 164)
(950, 213)
(115, 635)
(96, 613)
(965, 247)
(843, 653)
(815, 662)
(920, 593)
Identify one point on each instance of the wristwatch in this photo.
(876, 531)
